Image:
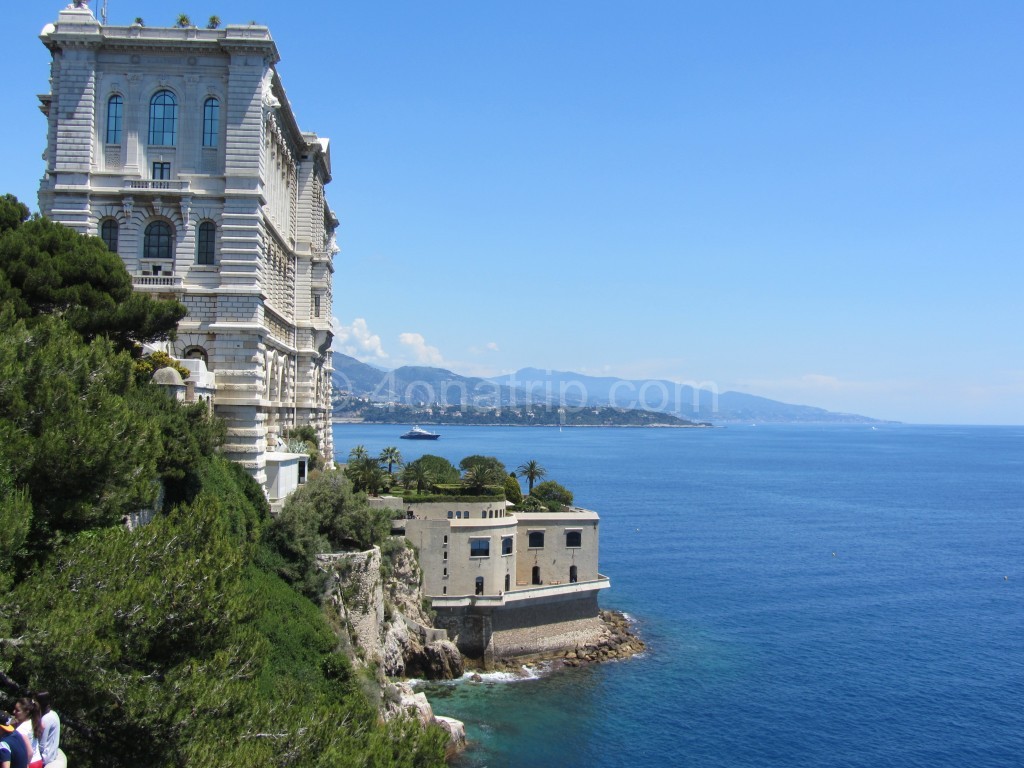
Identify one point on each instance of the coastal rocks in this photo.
(456, 734)
(439, 660)
(398, 646)
(617, 641)
(400, 700)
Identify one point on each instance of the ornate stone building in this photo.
(179, 148)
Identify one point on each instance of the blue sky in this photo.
(815, 202)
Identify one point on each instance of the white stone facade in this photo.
(180, 149)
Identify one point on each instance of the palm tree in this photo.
(357, 453)
(532, 471)
(366, 475)
(478, 477)
(390, 456)
(416, 475)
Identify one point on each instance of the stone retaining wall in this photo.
(541, 626)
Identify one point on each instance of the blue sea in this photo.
(809, 595)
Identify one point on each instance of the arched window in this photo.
(108, 231)
(196, 353)
(115, 118)
(211, 122)
(573, 574)
(536, 539)
(163, 119)
(508, 582)
(206, 241)
(536, 575)
(157, 241)
(479, 585)
(573, 539)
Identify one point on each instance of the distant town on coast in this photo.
(535, 397)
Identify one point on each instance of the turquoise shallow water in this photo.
(903, 648)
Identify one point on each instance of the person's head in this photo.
(27, 709)
(43, 700)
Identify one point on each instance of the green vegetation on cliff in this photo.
(179, 642)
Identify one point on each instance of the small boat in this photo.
(419, 434)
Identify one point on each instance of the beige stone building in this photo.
(180, 149)
(508, 584)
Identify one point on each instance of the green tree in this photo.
(513, 493)
(532, 471)
(489, 462)
(48, 269)
(476, 479)
(71, 430)
(357, 453)
(324, 515)
(441, 470)
(552, 495)
(367, 476)
(390, 456)
(15, 522)
(416, 476)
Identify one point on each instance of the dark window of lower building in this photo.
(508, 582)
(479, 547)
(536, 575)
(573, 574)
(536, 539)
(479, 585)
(506, 545)
(161, 171)
(573, 539)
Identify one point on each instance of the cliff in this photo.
(380, 609)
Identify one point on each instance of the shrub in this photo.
(552, 495)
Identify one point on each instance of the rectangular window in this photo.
(316, 306)
(574, 539)
(206, 243)
(161, 171)
(211, 122)
(506, 545)
(536, 539)
(115, 117)
(479, 547)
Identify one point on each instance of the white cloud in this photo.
(490, 346)
(422, 353)
(356, 340)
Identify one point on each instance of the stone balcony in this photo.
(156, 185)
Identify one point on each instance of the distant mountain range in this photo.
(410, 385)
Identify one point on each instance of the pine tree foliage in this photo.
(49, 269)
(70, 431)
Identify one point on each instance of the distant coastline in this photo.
(406, 422)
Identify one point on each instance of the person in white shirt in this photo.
(49, 742)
